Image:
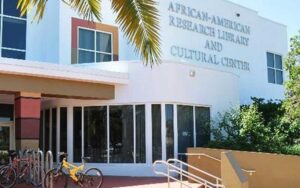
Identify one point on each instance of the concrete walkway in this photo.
(129, 182)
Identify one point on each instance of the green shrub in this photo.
(291, 150)
(257, 127)
(3, 157)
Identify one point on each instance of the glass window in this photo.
(275, 72)
(140, 134)
(10, 8)
(270, 59)
(14, 33)
(86, 56)
(6, 112)
(202, 126)
(95, 131)
(185, 129)
(156, 132)
(94, 46)
(13, 54)
(103, 57)
(103, 42)
(47, 129)
(53, 137)
(86, 39)
(4, 138)
(170, 131)
(271, 75)
(279, 77)
(278, 62)
(77, 134)
(121, 134)
(63, 130)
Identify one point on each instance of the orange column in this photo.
(27, 120)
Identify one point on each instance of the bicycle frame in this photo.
(17, 164)
(73, 169)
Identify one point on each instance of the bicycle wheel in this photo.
(8, 177)
(93, 178)
(55, 178)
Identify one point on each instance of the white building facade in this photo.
(216, 55)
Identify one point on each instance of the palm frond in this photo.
(88, 9)
(139, 19)
(26, 5)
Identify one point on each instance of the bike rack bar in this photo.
(41, 163)
(49, 161)
(49, 164)
(33, 170)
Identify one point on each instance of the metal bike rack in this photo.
(37, 172)
(49, 161)
(39, 165)
(49, 165)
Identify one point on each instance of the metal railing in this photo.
(173, 169)
(250, 172)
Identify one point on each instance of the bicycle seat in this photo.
(63, 154)
(12, 153)
(28, 151)
(86, 158)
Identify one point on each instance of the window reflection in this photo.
(53, 146)
(185, 128)
(77, 134)
(4, 138)
(63, 130)
(170, 131)
(156, 132)
(202, 126)
(140, 134)
(121, 134)
(95, 140)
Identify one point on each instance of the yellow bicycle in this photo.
(58, 177)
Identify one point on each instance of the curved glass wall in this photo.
(117, 133)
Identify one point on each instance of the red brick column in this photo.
(27, 120)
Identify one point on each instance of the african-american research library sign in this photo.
(216, 29)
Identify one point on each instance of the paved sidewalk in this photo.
(128, 182)
(118, 182)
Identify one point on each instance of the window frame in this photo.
(275, 69)
(95, 31)
(2, 15)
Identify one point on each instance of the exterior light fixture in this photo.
(192, 73)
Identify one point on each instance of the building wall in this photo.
(50, 40)
(43, 36)
(171, 83)
(265, 35)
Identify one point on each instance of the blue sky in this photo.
(286, 12)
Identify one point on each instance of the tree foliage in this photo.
(256, 127)
(292, 102)
(139, 19)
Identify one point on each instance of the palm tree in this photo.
(138, 19)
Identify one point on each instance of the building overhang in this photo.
(56, 80)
